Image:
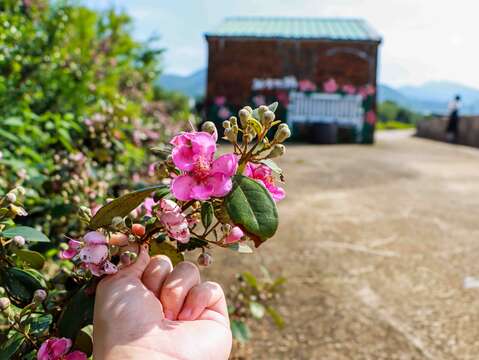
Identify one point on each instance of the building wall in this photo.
(436, 129)
(233, 63)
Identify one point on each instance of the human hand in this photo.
(151, 311)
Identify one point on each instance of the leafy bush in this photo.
(390, 111)
(77, 106)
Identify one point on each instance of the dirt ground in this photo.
(375, 242)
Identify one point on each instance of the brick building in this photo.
(322, 71)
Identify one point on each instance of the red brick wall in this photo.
(234, 63)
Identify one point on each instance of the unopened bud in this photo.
(20, 190)
(233, 120)
(205, 259)
(18, 240)
(17, 210)
(244, 116)
(277, 151)
(232, 134)
(261, 110)
(128, 257)
(209, 127)
(11, 197)
(117, 222)
(138, 230)
(226, 124)
(282, 133)
(249, 109)
(268, 118)
(39, 295)
(85, 212)
(4, 303)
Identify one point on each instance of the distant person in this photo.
(453, 125)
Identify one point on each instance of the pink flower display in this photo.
(371, 117)
(264, 175)
(203, 177)
(367, 90)
(306, 85)
(349, 89)
(220, 100)
(234, 235)
(58, 349)
(92, 253)
(174, 221)
(330, 86)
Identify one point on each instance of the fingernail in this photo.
(185, 314)
(169, 315)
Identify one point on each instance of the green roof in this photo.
(296, 28)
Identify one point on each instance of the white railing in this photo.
(327, 108)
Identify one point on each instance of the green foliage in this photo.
(389, 111)
(393, 125)
(250, 205)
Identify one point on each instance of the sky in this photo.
(423, 40)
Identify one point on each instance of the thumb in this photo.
(136, 269)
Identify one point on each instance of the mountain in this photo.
(193, 85)
(429, 98)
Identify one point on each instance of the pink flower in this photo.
(224, 113)
(264, 175)
(203, 177)
(234, 235)
(367, 90)
(57, 349)
(93, 253)
(349, 89)
(330, 86)
(306, 85)
(220, 100)
(148, 205)
(371, 117)
(174, 220)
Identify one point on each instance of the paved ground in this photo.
(376, 242)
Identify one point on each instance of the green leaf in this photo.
(241, 248)
(240, 331)
(273, 106)
(39, 325)
(167, 249)
(250, 279)
(31, 258)
(84, 340)
(206, 214)
(20, 285)
(272, 165)
(29, 233)
(257, 310)
(121, 206)
(77, 314)
(277, 318)
(11, 346)
(250, 206)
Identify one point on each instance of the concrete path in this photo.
(380, 246)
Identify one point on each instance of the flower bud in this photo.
(18, 240)
(277, 151)
(249, 109)
(85, 212)
(4, 303)
(232, 134)
(282, 133)
(117, 222)
(39, 295)
(244, 116)
(138, 230)
(268, 118)
(205, 259)
(210, 128)
(233, 120)
(261, 110)
(17, 210)
(11, 197)
(20, 190)
(226, 124)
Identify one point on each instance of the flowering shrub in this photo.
(202, 200)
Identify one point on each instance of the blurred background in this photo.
(378, 234)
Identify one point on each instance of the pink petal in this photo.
(96, 270)
(182, 186)
(74, 244)
(170, 218)
(203, 143)
(59, 347)
(94, 238)
(181, 139)
(277, 193)
(249, 169)
(235, 235)
(68, 254)
(219, 184)
(226, 164)
(95, 254)
(43, 351)
(184, 157)
(109, 268)
(169, 205)
(203, 190)
(76, 355)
